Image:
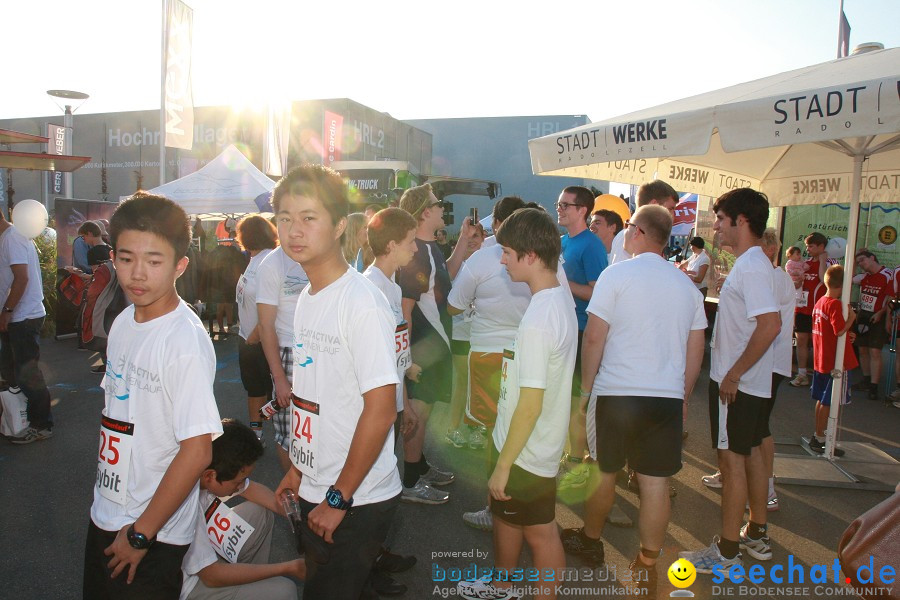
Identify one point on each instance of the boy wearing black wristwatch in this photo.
(343, 403)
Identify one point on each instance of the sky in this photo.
(413, 59)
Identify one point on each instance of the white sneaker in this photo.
(758, 549)
(480, 519)
(801, 380)
(457, 438)
(477, 438)
(31, 435)
(895, 395)
(712, 481)
(704, 560)
(483, 590)
(422, 493)
(434, 476)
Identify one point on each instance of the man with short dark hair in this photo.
(874, 291)
(21, 319)
(606, 225)
(89, 235)
(742, 363)
(812, 289)
(584, 258)
(654, 192)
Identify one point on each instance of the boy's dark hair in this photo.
(256, 233)
(91, 228)
(314, 181)
(698, 242)
(236, 448)
(506, 206)
(834, 276)
(748, 202)
(865, 252)
(612, 218)
(531, 230)
(584, 198)
(655, 190)
(153, 214)
(389, 224)
(374, 207)
(816, 239)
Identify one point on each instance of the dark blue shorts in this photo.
(821, 389)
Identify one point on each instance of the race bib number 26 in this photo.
(226, 530)
(304, 435)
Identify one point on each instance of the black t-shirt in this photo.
(427, 271)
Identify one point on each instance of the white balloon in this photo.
(30, 218)
(836, 248)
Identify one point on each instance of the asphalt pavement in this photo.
(46, 493)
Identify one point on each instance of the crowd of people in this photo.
(352, 327)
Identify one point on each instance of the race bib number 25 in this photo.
(114, 458)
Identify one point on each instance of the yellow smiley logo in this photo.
(682, 573)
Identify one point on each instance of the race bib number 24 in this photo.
(304, 435)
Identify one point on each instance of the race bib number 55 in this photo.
(114, 458)
(304, 435)
(401, 345)
(226, 530)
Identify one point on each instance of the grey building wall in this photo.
(496, 148)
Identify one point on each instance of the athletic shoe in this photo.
(758, 549)
(873, 391)
(819, 447)
(434, 476)
(101, 368)
(477, 438)
(772, 503)
(861, 386)
(574, 477)
(896, 404)
(895, 395)
(393, 563)
(574, 541)
(31, 435)
(385, 585)
(704, 560)
(480, 519)
(422, 493)
(456, 437)
(642, 581)
(712, 481)
(481, 589)
(801, 380)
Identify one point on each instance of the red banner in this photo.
(331, 137)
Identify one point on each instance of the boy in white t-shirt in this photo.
(229, 556)
(533, 410)
(343, 401)
(159, 413)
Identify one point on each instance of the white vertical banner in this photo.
(178, 104)
(57, 146)
(275, 146)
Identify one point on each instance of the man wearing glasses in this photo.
(584, 258)
(655, 192)
(425, 283)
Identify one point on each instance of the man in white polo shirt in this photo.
(742, 363)
(633, 417)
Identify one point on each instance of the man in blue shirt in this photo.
(584, 258)
(89, 235)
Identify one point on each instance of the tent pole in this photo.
(838, 385)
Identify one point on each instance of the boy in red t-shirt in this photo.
(828, 324)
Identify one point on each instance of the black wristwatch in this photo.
(138, 541)
(335, 499)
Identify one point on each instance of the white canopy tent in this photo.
(825, 133)
(226, 186)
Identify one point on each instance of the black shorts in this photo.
(432, 354)
(254, 369)
(868, 334)
(460, 347)
(576, 376)
(533, 497)
(644, 431)
(802, 323)
(744, 421)
(769, 403)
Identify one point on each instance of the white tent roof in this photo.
(788, 135)
(227, 185)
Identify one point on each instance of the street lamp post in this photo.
(69, 124)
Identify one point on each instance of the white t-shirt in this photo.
(694, 263)
(488, 242)
(201, 554)
(748, 291)
(787, 302)
(16, 249)
(394, 297)
(245, 295)
(280, 280)
(159, 376)
(461, 325)
(543, 358)
(651, 309)
(617, 253)
(343, 348)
